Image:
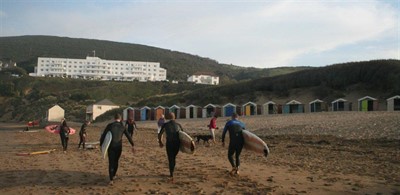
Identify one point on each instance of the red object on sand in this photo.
(33, 123)
(56, 129)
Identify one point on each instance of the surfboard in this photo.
(253, 143)
(37, 152)
(106, 144)
(56, 129)
(30, 131)
(91, 145)
(187, 143)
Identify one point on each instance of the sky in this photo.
(253, 33)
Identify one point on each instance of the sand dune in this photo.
(326, 153)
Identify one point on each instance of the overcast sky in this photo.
(260, 34)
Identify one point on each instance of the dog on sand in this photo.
(205, 138)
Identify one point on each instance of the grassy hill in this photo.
(378, 77)
(26, 49)
(28, 98)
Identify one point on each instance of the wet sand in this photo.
(325, 153)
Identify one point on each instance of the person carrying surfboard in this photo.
(117, 130)
(64, 134)
(171, 129)
(236, 141)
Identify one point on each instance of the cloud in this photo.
(279, 33)
(2, 14)
(261, 34)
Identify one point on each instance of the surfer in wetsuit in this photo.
(83, 135)
(171, 129)
(64, 135)
(131, 126)
(117, 130)
(236, 142)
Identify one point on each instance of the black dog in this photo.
(205, 138)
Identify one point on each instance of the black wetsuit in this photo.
(82, 135)
(64, 135)
(171, 129)
(114, 151)
(131, 127)
(236, 142)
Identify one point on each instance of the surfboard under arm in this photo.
(254, 143)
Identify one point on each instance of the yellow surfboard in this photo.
(37, 152)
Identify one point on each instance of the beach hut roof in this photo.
(174, 106)
(129, 108)
(394, 97)
(105, 102)
(339, 100)
(293, 102)
(55, 106)
(366, 97)
(317, 100)
(269, 102)
(252, 103)
(160, 107)
(229, 104)
(145, 107)
(212, 105)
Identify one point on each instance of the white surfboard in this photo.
(106, 144)
(92, 145)
(253, 143)
(187, 143)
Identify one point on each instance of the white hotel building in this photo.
(204, 78)
(94, 68)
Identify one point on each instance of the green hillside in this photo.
(26, 49)
(326, 83)
(27, 98)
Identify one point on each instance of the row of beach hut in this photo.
(366, 103)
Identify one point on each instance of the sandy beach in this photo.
(323, 153)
